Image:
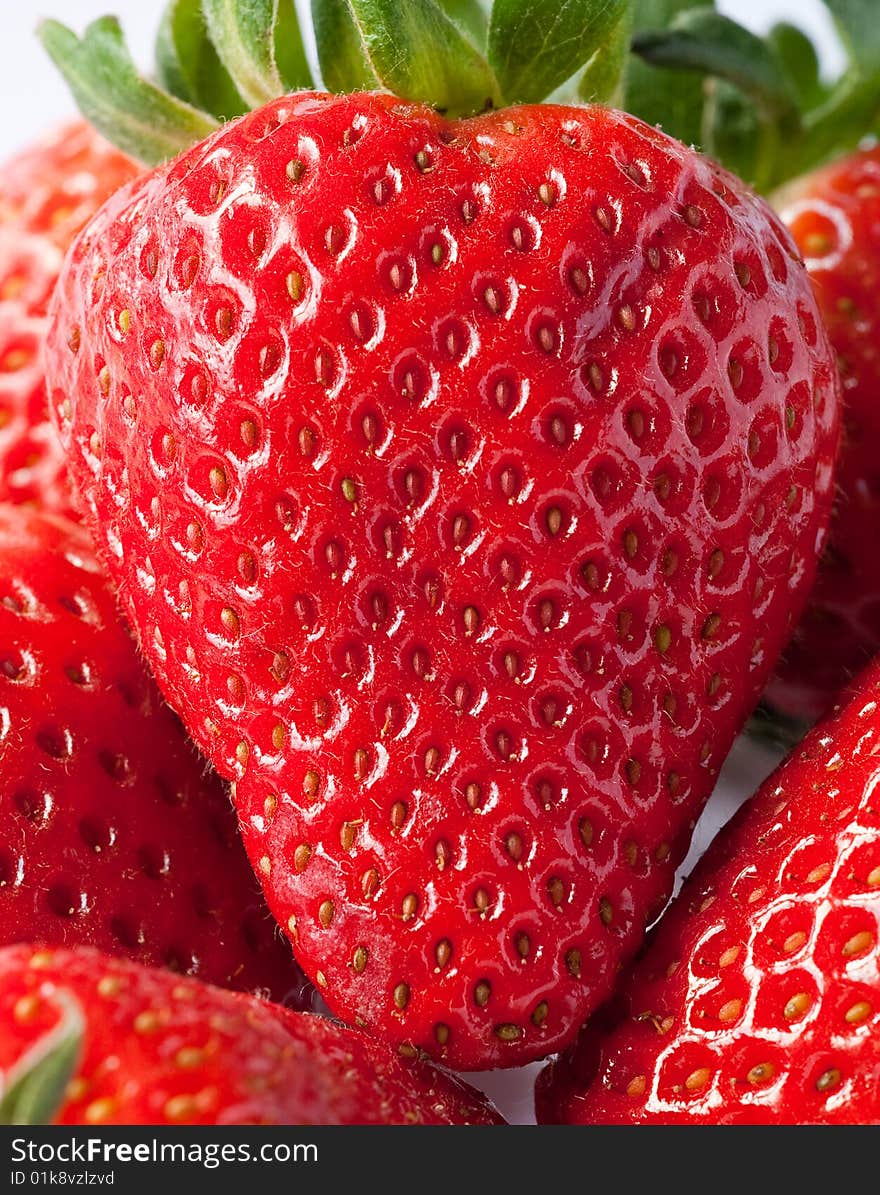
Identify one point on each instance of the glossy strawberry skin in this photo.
(56, 184)
(462, 483)
(111, 832)
(47, 192)
(182, 1052)
(834, 217)
(757, 1001)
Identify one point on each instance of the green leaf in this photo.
(836, 127)
(602, 78)
(243, 33)
(858, 23)
(34, 1090)
(670, 98)
(418, 53)
(535, 45)
(656, 14)
(289, 49)
(733, 131)
(799, 59)
(341, 53)
(471, 17)
(134, 114)
(188, 65)
(712, 44)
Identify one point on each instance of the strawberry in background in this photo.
(757, 1000)
(86, 1039)
(112, 832)
(55, 185)
(47, 192)
(32, 465)
(834, 216)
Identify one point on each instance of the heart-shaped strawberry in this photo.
(463, 481)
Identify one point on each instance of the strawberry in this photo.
(462, 479)
(29, 269)
(758, 999)
(834, 216)
(32, 464)
(86, 1039)
(111, 833)
(56, 184)
(47, 193)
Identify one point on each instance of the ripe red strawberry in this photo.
(111, 833)
(835, 219)
(186, 1053)
(29, 268)
(462, 520)
(47, 193)
(32, 464)
(57, 183)
(758, 998)
(463, 480)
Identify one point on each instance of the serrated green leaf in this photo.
(535, 45)
(418, 53)
(712, 44)
(799, 59)
(669, 98)
(243, 33)
(187, 63)
(34, 1089)
(858, 22)
(341, 53)
(134, 114)
(289, 49)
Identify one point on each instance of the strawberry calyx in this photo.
(33, 1091)
(757, 104)
(219, 58)
(139, 117)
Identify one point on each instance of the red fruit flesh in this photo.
(835, 219)
(186, 1053)
(111, 833)
(55, 185)
(462, 482)
(758, 999)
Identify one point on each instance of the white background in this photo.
(33, 96)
